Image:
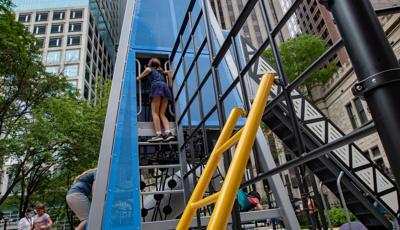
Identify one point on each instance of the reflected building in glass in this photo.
(77, 38)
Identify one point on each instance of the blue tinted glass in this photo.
(153, 25)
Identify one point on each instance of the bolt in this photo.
(359, 88)
(373, 80)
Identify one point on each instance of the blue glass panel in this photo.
(153, 27)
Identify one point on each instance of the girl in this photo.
(42, 220)
(160, 94)
(78, 196)
(248, 201)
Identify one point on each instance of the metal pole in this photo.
(339, 186)
(325, 206)
(236, 223)
(318, 199)
(376, 67)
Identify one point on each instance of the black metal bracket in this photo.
(377, 80)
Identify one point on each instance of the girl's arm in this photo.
(146, 72)
(259, 207)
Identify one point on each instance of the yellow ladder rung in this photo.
(229, 143)
(205, 201)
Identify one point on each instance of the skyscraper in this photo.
(227, 11)
(77, 38)
(314, 18)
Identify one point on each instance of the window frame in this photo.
(61, 13)
(38, 17)
(361, 112)
(72, 14)
(59, 31)
(58, 39)
(352, 115)
(70, 40)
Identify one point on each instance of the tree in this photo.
(24, 82)
(300, 52)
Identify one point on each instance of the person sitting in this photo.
(78, 196)
(248, 201)
(26, 223)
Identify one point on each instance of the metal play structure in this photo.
(142, 185)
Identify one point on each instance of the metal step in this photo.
(244, 217)
(146, 143)
(159, 166)
(162, 192)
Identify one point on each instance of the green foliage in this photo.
(48, 133)
(338, 216)
(298, 53)
(24, 82)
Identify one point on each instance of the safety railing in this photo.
(245, 137)
(192, 23)
(139, 65)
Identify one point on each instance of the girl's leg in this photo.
(155, 111)
(163, 110)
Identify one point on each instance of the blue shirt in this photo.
(84, 184)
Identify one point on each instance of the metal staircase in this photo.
(364, 182)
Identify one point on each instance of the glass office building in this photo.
(77, 38)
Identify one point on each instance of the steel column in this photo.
(375, 63)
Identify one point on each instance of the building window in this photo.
(39, 29)
(55, 42)
(24, 18)
(375, 151)
(73, 85)
(52, 69)
(74, 40)
(381, 164)
(76, 14)
(53, 57)
(40, 43)
(75, 27)
(72, 55)
(57, 28)
(42, 17)
(352, 116)
(71, 70)
(59, 15)
(360, 110)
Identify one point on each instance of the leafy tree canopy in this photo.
(300, 52)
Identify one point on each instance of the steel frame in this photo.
(217, 58)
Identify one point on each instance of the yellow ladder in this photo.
(245, 137)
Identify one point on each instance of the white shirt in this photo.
(25, 224)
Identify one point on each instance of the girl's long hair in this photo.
(85, 172)
(156, 63)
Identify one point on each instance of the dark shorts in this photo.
(160, 89)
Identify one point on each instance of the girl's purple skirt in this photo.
(161, 89)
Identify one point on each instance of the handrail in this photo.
(140, 88)
(325, 206)
(166, 67)
(246, 136)
(339, 186)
